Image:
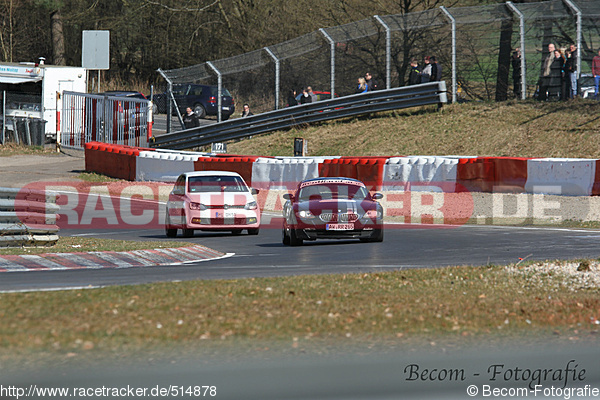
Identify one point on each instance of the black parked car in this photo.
(201, 98)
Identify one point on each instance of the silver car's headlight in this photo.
(251, 206)
(197, 206)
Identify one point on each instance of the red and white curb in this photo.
(108, 259)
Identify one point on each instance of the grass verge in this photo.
(512, 129)
(405, 306)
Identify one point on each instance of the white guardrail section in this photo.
(566, 176)
(163, 166)
(283, 173)
(398, 171)
(28, 217)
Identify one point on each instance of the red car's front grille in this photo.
(333, 217)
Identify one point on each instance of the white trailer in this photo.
(34, 91)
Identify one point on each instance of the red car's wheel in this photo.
(294, 239)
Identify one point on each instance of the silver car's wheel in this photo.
(170, 231)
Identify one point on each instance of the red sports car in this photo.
(332, 208)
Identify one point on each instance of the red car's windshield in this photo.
(332, 191)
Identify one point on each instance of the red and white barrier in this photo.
(575, 177)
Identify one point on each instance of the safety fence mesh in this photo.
(476, 64)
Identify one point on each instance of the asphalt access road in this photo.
(265, 256)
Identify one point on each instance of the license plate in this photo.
(339, 227)
(225, 214)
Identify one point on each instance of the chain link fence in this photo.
(473, 46)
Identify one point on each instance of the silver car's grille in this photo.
(226, 206)
(338, 217)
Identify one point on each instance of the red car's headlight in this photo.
(374, 214)
(305, 214)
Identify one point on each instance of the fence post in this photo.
(277, 77)
(332, 43)
(577, 12)
(219, 90)
(3, 116)
(388, 52)
(514, 9)
(169, 104)
(453, 22)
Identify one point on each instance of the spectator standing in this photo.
(557, 75)
(190, 119)
(372, 83)
(568, 69)
(516, 72)
(436, 69)
(572, 71)
(596, 73)
(544, 81)
(426, 73)
(414, 77)
(291, 101)
(362, 86)
(313, 96)
(246, 112)
(305, 98)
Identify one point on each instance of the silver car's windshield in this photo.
(206, 184)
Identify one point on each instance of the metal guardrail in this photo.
(28, 217)
(348, 106)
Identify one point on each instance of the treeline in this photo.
(149, 34)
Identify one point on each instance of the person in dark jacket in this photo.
(291, 101)
(190, 119)
(305, 98)
(436, 70)
(246, 112)
(372, 83)
(556, 88)
(570, 71)
(414, 78)
(516, 72)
